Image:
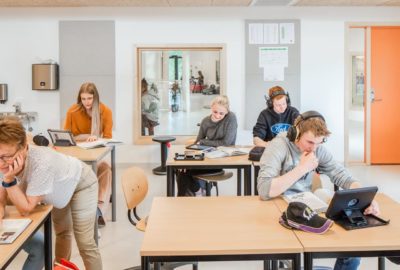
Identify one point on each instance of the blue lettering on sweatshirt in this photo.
(280, 127)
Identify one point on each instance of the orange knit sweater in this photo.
(79, 122)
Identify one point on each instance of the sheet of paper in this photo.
(271, 33)
(286, 31)
(256, 33)
(277, 56)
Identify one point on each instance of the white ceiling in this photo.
(194, 3)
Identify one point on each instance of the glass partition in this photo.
(176, 86)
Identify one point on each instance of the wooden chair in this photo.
(135, 187)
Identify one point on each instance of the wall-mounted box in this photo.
(45, 76)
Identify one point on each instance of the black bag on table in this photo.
(256, 153)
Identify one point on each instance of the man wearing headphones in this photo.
(276, 118)
(290, 160)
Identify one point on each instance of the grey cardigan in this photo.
(221, 133)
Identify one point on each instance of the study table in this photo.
(216, 229)
(40, 216)
(92, 157)
(232, 162)
(378, 241)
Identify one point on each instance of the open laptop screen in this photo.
(61, 137)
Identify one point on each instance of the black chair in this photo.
(163, 140)
(212, 180)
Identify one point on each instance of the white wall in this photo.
(31, 34)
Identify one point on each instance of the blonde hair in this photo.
(90, 88)
(12, 132)
(221, 100)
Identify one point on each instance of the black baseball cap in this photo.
(300, 216)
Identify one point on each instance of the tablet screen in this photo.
(198, 147)
(61, 137)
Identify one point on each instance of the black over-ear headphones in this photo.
(293, 132)
(270, 99)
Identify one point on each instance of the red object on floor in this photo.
(65, 265)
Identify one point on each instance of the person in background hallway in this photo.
(150, 107)
(51, 177)
(200, 79)
(290, 160)
(277, 117)
(90, 120)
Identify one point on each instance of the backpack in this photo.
(187, 185)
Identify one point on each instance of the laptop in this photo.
(61, 137)
(347, 207)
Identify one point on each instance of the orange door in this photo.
(385, 106)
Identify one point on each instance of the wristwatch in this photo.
(12, 183)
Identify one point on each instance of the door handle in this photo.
(373, 99)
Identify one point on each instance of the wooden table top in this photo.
(233, 160)
(183, 226)
(85, 155)
(37, 216)
(338, 239)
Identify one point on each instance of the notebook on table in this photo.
(12, 228)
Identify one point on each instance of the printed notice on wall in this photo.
(271, 33)
(273, 56)
(286, 33)
(256, 33)
(273, 60)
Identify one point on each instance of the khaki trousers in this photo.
(79, 217)
(104, 177)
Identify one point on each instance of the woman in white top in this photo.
(50, 177)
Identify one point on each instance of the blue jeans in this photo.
(35, 249)
(351, 263)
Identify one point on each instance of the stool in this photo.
(163, 140)
(212, 179)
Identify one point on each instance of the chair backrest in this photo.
(134, 185)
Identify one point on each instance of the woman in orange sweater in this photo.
(89, 120)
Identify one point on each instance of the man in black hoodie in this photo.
(276, 118)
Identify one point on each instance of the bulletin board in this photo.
(272, 52)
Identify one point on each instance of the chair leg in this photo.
(194, 266)
(208, 188)
(216, 187)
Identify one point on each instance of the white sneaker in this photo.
(199, 193)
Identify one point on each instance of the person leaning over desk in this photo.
(290, 160)
(217, 129)
(51, 177)
(277, 117)
(33, 246)
(89, 120)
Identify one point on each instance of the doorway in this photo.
(355, 96)
(373, 76)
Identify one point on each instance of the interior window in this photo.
(175, 88)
